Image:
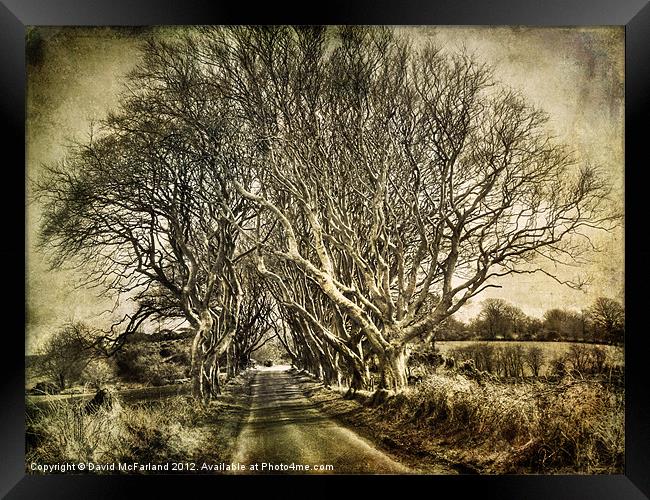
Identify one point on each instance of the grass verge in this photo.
(176, 429)
(481, 425)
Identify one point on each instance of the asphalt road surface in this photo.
(284, 427)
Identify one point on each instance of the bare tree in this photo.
(67, 353)
(535, 359)
(608, 316)
(143, 207)
(564, 323)
(496, 318)
(257, 323)
(396, 180)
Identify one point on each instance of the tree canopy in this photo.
(376, 185)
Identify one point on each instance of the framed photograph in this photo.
(397, 241)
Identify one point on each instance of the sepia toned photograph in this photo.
(325, 250)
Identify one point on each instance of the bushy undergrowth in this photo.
(153, 363)
(572, 425)
(517, 359)
(66, 432)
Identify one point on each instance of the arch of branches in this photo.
(346, 188)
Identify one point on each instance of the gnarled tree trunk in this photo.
(203, 359)
(393, 365)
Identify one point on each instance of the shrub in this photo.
(579, 358)
(65, 432)
(146, 435)
(506, 361)
(510, 361)
(535, 360)
(558, 367)
(163, 373)
(582, 360)
(98, 373)
(133, 361)
(581, 425)
(142, 362)
(481, 353)
(42, 388)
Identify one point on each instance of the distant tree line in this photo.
(602, 322)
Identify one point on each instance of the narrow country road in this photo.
(284, 427)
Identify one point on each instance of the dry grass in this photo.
(453, 421)
(571, 426)
(174, 429)
(64, 432)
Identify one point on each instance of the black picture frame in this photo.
(15, 15)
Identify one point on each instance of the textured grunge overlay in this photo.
(325, 249)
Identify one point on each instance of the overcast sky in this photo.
(576, 75)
